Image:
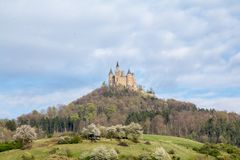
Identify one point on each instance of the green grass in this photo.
(182, 147)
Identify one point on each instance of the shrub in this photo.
(64, 140)
(75, 139)
(145, 156)
(69, 153)
(27, 156)
(91, 132)
(171, 151)
(209, 149)
(40, 133)
(49, 135)
(103, 153)
(128, 157)
(69, 140)
(5, 135)
(57, 157)
(60, 153)
(111, 132)
(53, 150)
(161, 154)
(134, 131)
(25, 135)
(120, 131)
(175, 158)
(9, 146)
(103, 131)
(220, 158)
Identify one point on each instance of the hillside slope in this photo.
(183, 148)
(110, 106)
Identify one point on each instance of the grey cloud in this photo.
(169, 44)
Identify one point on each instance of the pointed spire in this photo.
(110, 72)
(117, 65)
(129, 72)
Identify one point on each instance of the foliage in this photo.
(11, 125)
(91, 132)
(139, 116)
(27, 156)
(9, 146)
(109, 111)
(103, 131)
(111, 132)
(69, 140)
(110, 106)
(25, 134)
(215, 150)
(134, 131)
(171, 151)
(103, 153)
(145, 156)
(40, 133)
(57, 157)
(5, 135)
(182, 147)
(160, 154)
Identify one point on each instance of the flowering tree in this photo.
(120, 132)
(111, 132)
(161, 154)
(91, 132)
(134, 131)
(25, 134)
(103, 153)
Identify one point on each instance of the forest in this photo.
(109, 106)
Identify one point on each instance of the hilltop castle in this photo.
(120, 78)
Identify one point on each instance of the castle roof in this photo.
(129, 72)
(117, 64)
(110, 72)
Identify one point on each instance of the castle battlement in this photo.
(119, 78)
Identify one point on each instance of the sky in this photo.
(55, 51)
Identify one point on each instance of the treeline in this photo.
(205, 126)
(110, 106)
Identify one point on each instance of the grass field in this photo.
(182, 148)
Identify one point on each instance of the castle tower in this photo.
(131, 83)
(111, 77)
(117, 71)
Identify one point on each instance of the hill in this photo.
(109, 106)
(180, 147)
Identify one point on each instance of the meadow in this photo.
(180, 148)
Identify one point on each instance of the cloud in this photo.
(230, 104)
(172, 46)
(22, 103)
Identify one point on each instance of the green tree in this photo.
(75, 120)
(11, 125)
(110, 110)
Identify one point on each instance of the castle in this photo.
(120, 79)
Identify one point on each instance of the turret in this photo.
(129, 72)
(118, 72)
(110, 72)
(117, 66)
(110, 77)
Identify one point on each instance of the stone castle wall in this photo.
(119, 78)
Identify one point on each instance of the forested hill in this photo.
(120, 105)
(109, 106)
